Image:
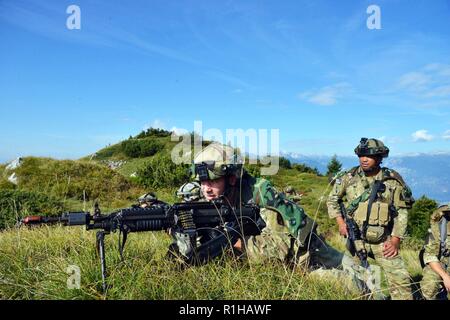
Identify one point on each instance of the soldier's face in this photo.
(212, 189)
(368, 163)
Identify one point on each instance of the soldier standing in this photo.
(377, 199)
(435, 256)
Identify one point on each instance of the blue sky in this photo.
(311, 69)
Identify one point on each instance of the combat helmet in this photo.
(190, 191)
(215, 161)
(371, 147)
(289, 190)
(148, 198)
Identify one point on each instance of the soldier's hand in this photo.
(238, 245)
(343, 230)
(447, 282)
(390, 247)
(342, 226)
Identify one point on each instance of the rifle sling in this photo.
(373, 195)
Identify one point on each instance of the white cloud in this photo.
(441, 69)
(390, 140)
(432, 81)
(414, 81)
(326, 96)
(421, 136)
(179, 131)
(446, 135)
(40, 19)
(441, 91)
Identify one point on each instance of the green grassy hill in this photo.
(33, 262)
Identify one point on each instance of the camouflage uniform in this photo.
(287, 233)
(290, 235)
(292, 195)
(434, 252)
(389, 216)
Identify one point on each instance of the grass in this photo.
(115, 152)
(34, 263)
(132, 165)
(72, 179)
(315, 191)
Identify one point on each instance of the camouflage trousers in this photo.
(431, 284)
(397, 276)
(274, 242)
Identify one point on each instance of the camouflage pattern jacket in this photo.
(389, 211)
(290, 217)
(432, 249)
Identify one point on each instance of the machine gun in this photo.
(184, 219)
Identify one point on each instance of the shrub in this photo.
(140, 148)
(254, 170)
(304, 168)
(285, 163)
(419, 217)
(161, 172)
(149, 147)
(14, 204)
(131, 148)
(6, 185)
(152, 132)
(108, 152)
(71, 179)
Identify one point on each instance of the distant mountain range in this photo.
(426, 174)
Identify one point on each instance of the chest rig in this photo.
(373, 210)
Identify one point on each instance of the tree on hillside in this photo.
(419, 217)
(141, 148)
(153, 132)
(285, 163)
(334, 166)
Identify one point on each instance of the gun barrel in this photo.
(31, 220)
(68, 218)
